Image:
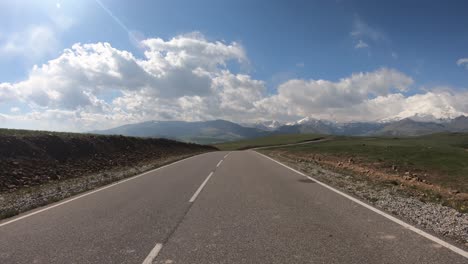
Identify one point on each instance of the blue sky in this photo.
(283, 41)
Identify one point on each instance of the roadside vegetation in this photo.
(423, 180)
(433, 167)
(441, 158)
(269, 141)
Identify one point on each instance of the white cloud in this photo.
(182, 78)
(182, 66)
(325, 98)
(365, 36)
(463, 61)
(238, 92)
(7, 92)
(362, 30)
(34, 42)
(186, 78)
(15, 110)
(361, 44)
(440, 104)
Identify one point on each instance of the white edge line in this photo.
(90, 192)
(219, 163)
(194, 197)
(394, 219)
(225, 156)
(153, 254)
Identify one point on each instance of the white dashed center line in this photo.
(194, 197)
(153, 254)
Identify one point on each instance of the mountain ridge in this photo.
(216, 131)
(207, 132)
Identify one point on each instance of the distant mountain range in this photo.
(403, 127)
(215, 131)
(203, 132)
(264, 125)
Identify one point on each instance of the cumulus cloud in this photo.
(192, 50)
(326, 98)
(185, 77)
(238, 92)
(188, 78)
(440, 104)
(7, 92)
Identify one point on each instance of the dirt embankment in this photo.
(33, 160)
(39, 168)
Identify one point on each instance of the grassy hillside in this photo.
(441, 159)
(408, 127)
(268, 141)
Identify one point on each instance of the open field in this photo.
(268, 141)
(432, 167)
(440, 159)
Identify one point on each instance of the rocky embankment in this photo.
(400, 199)
(37, 168)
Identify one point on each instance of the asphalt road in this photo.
(245, 209)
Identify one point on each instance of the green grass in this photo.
(204, 140)
(268, 141)
(443, 156)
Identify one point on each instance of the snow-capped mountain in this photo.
(273, 124)
(221, 130)
(310, 125)
(311, 121)
(269, 125)
(416, 117)
(416, 124)
(424, 114)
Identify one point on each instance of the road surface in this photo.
(216, 207)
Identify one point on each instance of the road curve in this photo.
(213, 208)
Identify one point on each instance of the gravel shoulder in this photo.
(40, 167)
(403, 201)
(22, 200)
